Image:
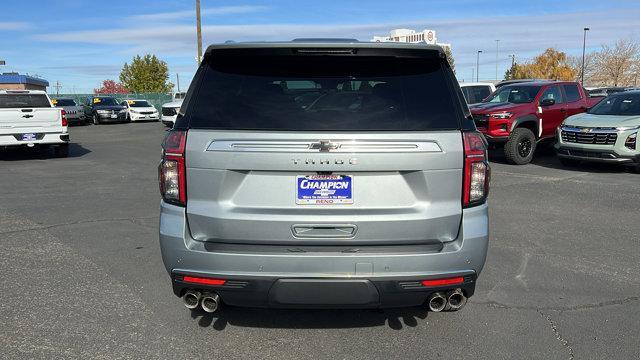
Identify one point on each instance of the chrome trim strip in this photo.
(591, 130)
(348, 146)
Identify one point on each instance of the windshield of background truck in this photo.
(325, 93)
(515, 94)
(627, 104)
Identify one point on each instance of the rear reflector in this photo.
(443, 282)
(203, 281)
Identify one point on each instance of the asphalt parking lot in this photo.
(83, 277)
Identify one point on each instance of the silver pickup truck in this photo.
(28, 118)
(75, 112)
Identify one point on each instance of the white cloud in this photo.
(17, 25)
(222, 10)
(525, 35)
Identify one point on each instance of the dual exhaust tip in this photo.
(450, 301)
(208, 301)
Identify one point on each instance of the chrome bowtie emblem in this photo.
(324, 146)
(585, 130)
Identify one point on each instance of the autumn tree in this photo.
(146, 74)
(617, 65)
(449, 54)
(552, 64)
(111, 87)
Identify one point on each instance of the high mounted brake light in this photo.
(476, 169)
(172, 171)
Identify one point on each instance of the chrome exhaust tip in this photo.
(436, 302)
(191, 299)
(210, 302)
(456, 300)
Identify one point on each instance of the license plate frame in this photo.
(324, 189)
(29, 137)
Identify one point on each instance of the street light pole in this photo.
(497, 42)
(478, 66)
(584, 43)
(199, 31)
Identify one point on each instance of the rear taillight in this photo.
(171, 171)
(63, 115)
(476, 169)
(204, 281)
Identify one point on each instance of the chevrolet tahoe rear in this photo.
(324, 174)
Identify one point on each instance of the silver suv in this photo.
(324, 174)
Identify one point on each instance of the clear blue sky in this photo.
(81, 43)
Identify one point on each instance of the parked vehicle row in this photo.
(521, 114)
(107, 109)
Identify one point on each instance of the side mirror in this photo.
(547, 102)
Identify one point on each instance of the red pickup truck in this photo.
(523, 114)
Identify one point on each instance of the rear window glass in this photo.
(475, 94)
(65, 102)
(324, 93)
(572, 92)
(23, 101)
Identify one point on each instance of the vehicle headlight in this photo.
(103, 111)
(502, 115)
(626, 128)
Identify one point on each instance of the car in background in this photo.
(608, 132)
(476, 92)
(140, 110)
(522, 114)
(103, 109)
(372, 194)
(170, 111)
(75, 112)
(28, 118)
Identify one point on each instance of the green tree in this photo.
(146, 74)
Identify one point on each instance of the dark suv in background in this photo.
(315, 174)
(102, 109)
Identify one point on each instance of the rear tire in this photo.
(61, 151)
(520, 147)
(569, 162)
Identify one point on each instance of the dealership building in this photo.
(411, 36)
(15, 81)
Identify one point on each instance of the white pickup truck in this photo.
(28, 118)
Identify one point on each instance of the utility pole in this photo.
(478, 66)
(57, 86)
(584, 43)
(497, 42)
(178, 80)
(199, 31)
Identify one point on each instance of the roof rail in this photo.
(325, 40)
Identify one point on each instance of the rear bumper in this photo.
(41, 139)
(603, 156)
(319, 279)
